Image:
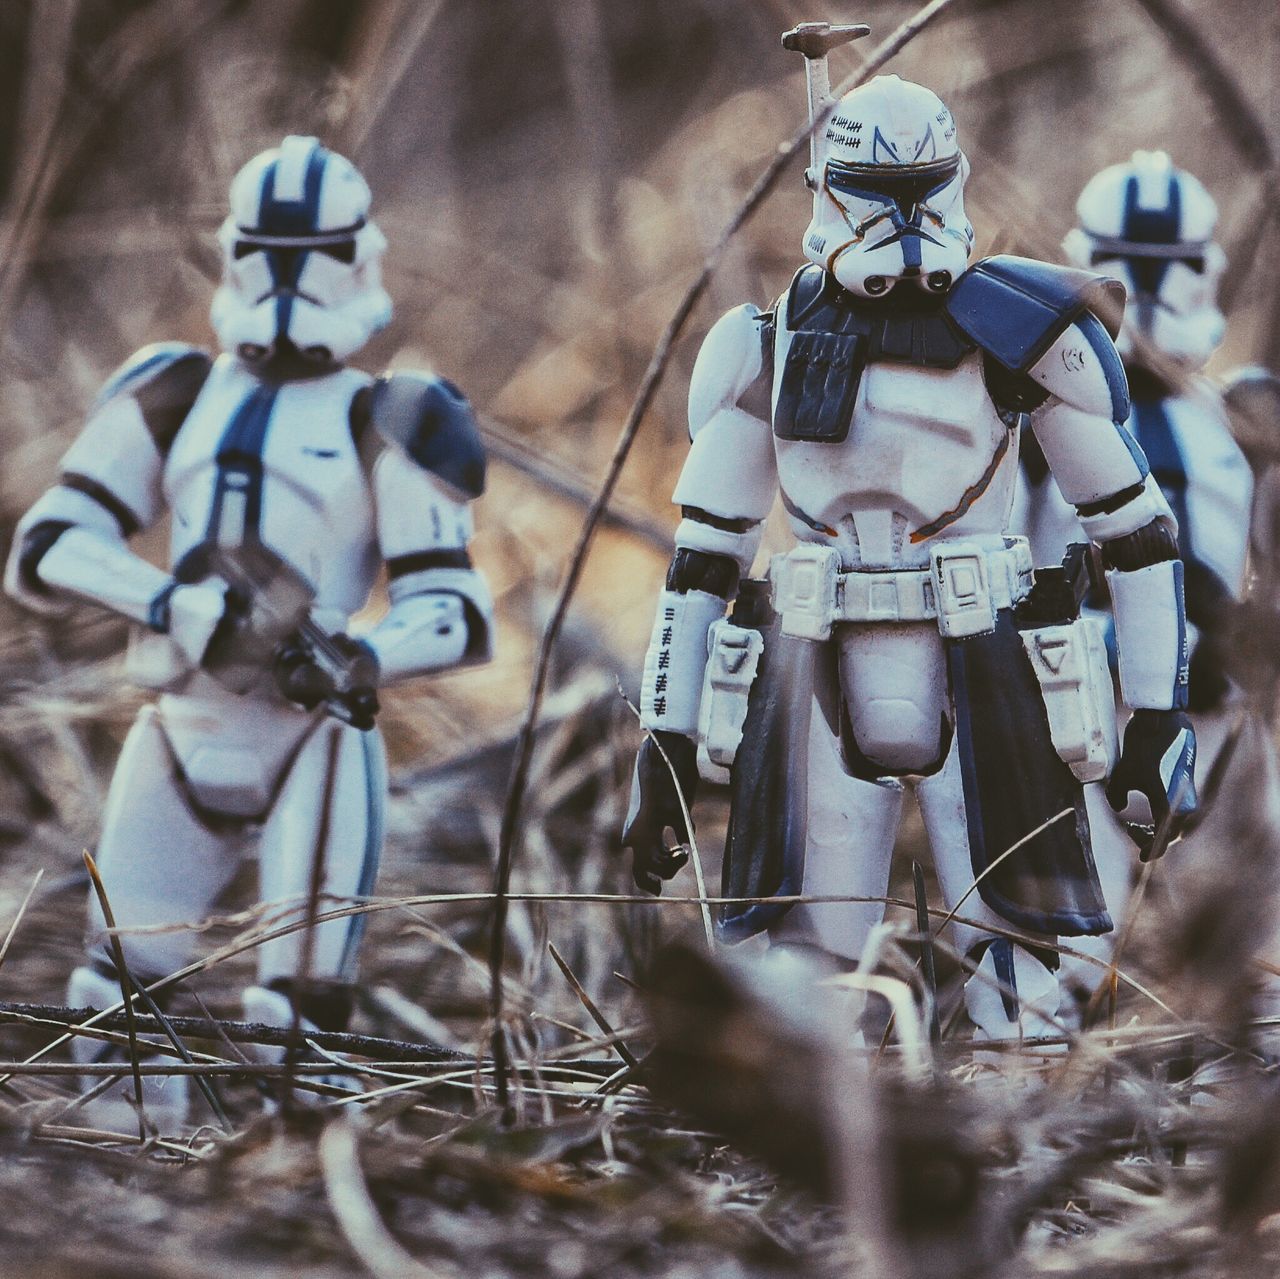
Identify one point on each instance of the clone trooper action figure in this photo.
(903, 642)
(290, 478)
(1152, 225)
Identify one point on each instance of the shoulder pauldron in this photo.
(431, 420)
(164, 380)
(1014, 309)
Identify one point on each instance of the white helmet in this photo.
(300, 258)
(1152, 225)
(888, 200)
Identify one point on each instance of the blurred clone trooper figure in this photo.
(290, 478)
(1152, 225)
(903, 642)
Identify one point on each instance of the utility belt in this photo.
(963, 589)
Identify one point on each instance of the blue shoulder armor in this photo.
(164, 380)
(151, 363)
(1015, 308)
(432, 421)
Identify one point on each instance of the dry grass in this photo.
(550, 177)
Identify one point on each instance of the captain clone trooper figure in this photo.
(904, 642)
(1152, 225)
(290, 479)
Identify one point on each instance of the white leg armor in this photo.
(942, 806)
(160, 863)
(354, 794)
(1116, 858)
(851, 828)
(1012, 995)
(265, 1006)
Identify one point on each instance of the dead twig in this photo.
(234, 1032)
(592, 1010)
(17, 919)
(354, 1210)
(1238, 118)
(126, 991)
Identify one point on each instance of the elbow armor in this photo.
(1153, 543)
(698, 571)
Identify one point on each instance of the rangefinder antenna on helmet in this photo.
(815, 40)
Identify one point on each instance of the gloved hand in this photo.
(655, 809)
(189, 615)
(1158, 760)
(304, 681)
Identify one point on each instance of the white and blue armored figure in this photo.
(290, 480)
(1152, 225)
(905, 642)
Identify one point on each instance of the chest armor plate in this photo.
(833, 339)
(274, 463)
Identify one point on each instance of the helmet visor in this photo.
(906, 185)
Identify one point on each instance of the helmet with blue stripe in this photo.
(301, 258)
(888, 200)
(1152, 225)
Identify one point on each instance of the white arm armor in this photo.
(1151, 635)
(73, 540)
(1101, 470)
(726, 489)
(441, 611)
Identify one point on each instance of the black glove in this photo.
(655, 809)
(301, 679)
(1149, 737)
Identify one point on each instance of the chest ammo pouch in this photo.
(835, 335)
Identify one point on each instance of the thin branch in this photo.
(1236, 109)
(122, 973)
(354, 1210)
(17, 919)
(1237, 115)
(557, 476)
(234, 1032)
(592, 1010)
(205, 1086)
